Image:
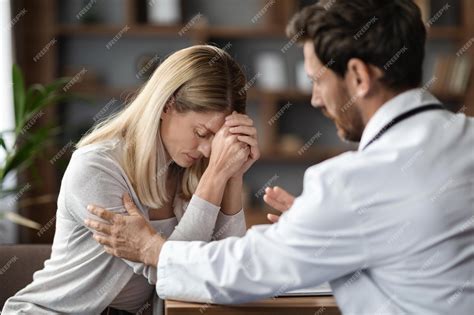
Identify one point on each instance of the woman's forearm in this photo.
(232, 199)
(211, 186)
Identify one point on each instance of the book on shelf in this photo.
(452, 75)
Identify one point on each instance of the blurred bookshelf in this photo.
(264, 102)
(244, 28)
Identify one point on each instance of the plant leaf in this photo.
(57, 84)
(21, 220)
(10, 191)
(29, 148)
(2, 143)
(34, 93)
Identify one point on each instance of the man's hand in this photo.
(279, 199)
(130, 237)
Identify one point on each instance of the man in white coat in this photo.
(390, 226)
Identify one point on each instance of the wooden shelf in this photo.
(287, 94)
(244, 32)
(434, 32)
(446, 33)
(112, 30)
(253, 93)
(173, 30)
(311, 156)
(104, 91)
(449, 98)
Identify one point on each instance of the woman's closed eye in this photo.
(201, 134)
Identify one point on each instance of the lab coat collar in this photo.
(394, 107)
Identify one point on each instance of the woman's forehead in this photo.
(210, 120)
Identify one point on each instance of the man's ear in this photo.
(359, 77)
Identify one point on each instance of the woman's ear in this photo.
(165, 113)
(169, 104)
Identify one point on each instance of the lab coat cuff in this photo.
(164, 260)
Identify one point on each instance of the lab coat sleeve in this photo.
(317, 240)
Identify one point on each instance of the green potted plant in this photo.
(23, 144)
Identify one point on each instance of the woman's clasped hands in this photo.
(234, 147)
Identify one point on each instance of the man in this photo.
(390, 226)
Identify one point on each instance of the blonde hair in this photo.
(200, 78)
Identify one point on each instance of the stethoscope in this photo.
(402, 117)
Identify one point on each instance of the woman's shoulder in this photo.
(96, 157)
(105, 147)
(105, 151)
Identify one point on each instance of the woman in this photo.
(169, 143)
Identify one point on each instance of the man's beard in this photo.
(349, 125)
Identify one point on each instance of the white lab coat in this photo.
(391, 227)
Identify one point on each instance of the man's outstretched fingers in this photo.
(274, 203)
(101, 213)
(283, 196)
(273, 217)
(283, 192)
(98, 226)
(103, 240)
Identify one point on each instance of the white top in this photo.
(391, 227)
(80, 278)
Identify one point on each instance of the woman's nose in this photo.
(205, 149)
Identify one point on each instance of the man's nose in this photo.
(205, 148)
(316, 99)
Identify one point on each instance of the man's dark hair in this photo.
(387, 34)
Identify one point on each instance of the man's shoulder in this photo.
(352, 168)
(341, 164)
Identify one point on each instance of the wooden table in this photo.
(296, 305)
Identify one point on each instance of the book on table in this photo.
(323, 289)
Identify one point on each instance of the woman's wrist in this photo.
(235, 181)
(218, 172)
(232, 201)
(211, 186)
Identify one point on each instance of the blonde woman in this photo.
(180, 148)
